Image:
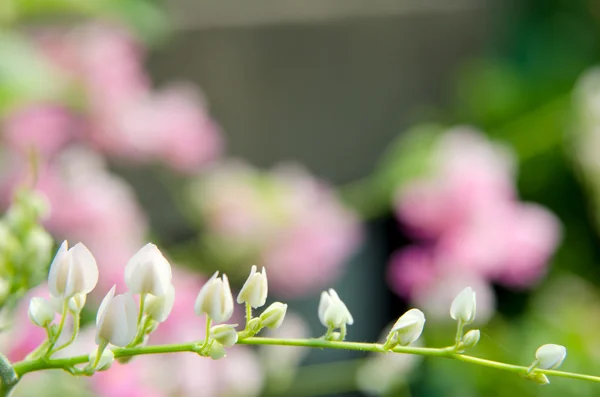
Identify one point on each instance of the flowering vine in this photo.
(124, 324)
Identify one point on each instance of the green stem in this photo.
(8, 375)
(76, 320)
(141, 332)
(27, 366)
(343, 332)
(248, 315)
(61, 325)
(207, 337)
(459, 333)
(99, 352)
(141, 314)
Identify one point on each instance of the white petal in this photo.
(56, 280)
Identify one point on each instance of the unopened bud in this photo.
(225, 334)
(273, 316)
(217, 351)
(550, 356)
(539, 378)
(332, 311)
(77, 302)
(254, 325)
(40, 311)
(409, 327)
(463, 306)
(471, 338)
(159, 307)
(255, 289)
(106, 359)
(215, 299)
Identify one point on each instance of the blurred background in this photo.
(396, 150)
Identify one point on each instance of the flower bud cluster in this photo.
(25, 246)
(215, 300)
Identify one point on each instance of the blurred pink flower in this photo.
(472, 223)
(510, 243)
(410, 270)
(125, 117)
(312, 248)
(467, 172)
(285, 220)
(47, 128)
(171, 125)
(105, 58)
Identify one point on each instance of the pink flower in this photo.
(467, 172)
(109, 60)
(510, 243)
(43, 127)
(286, 220)
(410, 270)
(466, 210)
(172, 126)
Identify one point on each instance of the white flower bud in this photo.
(148, 272)
(225, 334)
(116, 321)
(159, 307)
(409, 327)
(73, 271)
(463, 306)
(217, 351)
(215, 299)
(550, 356)
(41, 312)
(106, 359)
(255, 289)
(77, 302)
(273, 316)
(471, 338)
(332, 311)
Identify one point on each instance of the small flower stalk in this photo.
(334, 314)
(406, 330)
